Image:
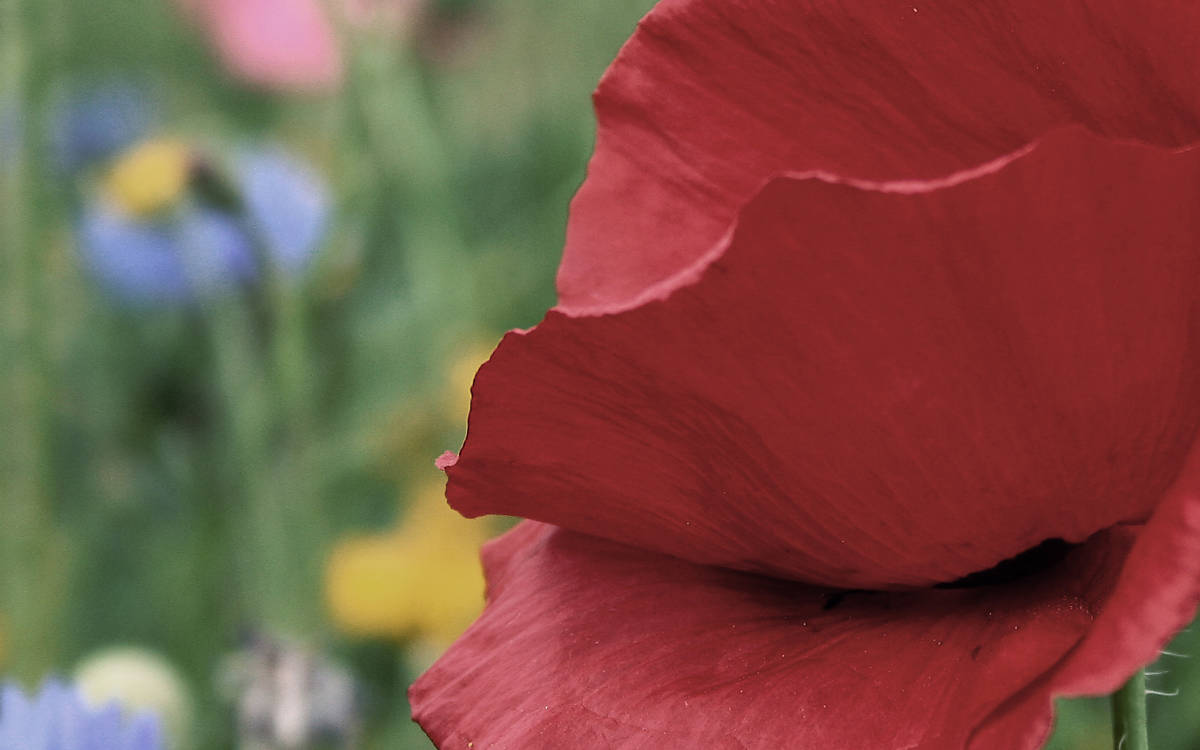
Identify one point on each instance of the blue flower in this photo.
(94, 123)
(287, 205)
(57, 719)
(188, 247)
(190, 255)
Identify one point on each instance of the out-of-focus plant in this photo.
(420, 581)
(286, 205)
(279, 44)
(287, 695)
(140, 681)
(150, 176)
(93, 120)
(171, 223)
(396, 18)
(434, 418)
(57, 718)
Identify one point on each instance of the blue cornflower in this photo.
(93, 123)
(165, 226)
(58, 719)
(287, 205)
(190, 254)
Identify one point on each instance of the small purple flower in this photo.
(183, 257)
(287, 205)
(58, 719)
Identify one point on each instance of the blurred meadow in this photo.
(238, 322)
(242, 297)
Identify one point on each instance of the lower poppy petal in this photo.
(1155, 596)
(867, 375)
(588, 643)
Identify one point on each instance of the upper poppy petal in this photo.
(712, 97)
(588, 643)
(874, 386)
(285, 44)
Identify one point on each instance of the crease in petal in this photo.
(660, 290)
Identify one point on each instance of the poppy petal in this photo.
(712, 97)
(1155, 596)
(588, 643)
(870, 375)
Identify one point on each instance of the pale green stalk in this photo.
(1129, 714)
(405, 137)
(32, 556)
(272, 558)
(297, 487)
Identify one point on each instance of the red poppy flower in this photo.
(868, 415)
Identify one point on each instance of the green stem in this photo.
(1129, 714)
(412, 151)
(269, 455)
(266, 582)
(297, 482)
(31, 554)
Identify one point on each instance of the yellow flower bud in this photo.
(466, 360)
(422, 580)
(149, 177)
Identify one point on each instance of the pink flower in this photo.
(279, 44)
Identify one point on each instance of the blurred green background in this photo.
(224, 469)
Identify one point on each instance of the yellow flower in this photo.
(422, 580)
(464, 362)
(149, 177)
(420, 423)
